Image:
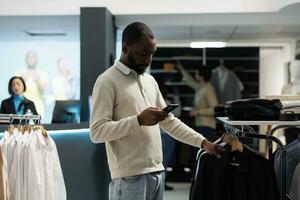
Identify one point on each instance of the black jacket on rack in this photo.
(7, 106)
(235, 176)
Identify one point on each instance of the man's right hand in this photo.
(151, 116)
(212, 148)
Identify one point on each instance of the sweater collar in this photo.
(124, 69)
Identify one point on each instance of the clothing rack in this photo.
(11, 118)
(246, 131)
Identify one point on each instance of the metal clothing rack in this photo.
(11, 118)
(247, 131)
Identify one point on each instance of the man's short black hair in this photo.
(10, 83)
(134, 31)
(205, 72)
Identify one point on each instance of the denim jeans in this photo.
(141, 187)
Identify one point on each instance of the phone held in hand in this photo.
(171, 107)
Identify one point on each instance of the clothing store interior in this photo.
(70, 127)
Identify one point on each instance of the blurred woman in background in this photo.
(17, 103)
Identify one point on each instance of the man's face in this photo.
(139, 55)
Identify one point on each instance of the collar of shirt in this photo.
(124, 69)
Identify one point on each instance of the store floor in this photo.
(180, 192)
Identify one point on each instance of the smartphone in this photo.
(171, 107)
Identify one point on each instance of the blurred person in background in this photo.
(36, 81)
(65, 84)
(204, 100)
(17, 103)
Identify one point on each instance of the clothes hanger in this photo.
(235, 144)
(11, 126)
(28, 126)
(20, 126)
(42, 129)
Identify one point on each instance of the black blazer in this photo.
(7, 106)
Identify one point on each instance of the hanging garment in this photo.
(227, 88)
(34, 167)
(292, 160)
(235, 176)
(294, 191)
(4, 195)
(54, 181)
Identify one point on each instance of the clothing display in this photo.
(253, 109)
(33, 166)
(236, 175)
(294, 191)
(227, 85)
(292, 160)
(4, 191)
(114, 121)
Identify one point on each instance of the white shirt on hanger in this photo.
(35, 175)
(54, 180)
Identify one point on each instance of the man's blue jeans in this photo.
(141, 187)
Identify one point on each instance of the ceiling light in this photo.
(207, 44)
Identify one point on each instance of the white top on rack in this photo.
(253, 123)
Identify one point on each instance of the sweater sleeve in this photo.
(103, 128)
(177, 129)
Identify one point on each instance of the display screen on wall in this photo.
(51, 70)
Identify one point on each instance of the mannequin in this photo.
(294, 86)
(226, 83)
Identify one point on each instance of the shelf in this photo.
(176, 84)
(257, 123)
(246, 71)
(232, 58)
(187, 108)
(158, 71)
(182, 95)
(176, 58)
(161, 71)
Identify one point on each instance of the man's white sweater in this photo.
(119, 95)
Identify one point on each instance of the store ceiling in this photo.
(229, 27)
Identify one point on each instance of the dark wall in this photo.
(97, 40)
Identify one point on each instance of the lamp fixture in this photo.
(215, 44)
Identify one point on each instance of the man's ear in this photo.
(125, 48)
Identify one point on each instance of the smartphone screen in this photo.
(171, 107)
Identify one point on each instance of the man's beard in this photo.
(138, 68)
